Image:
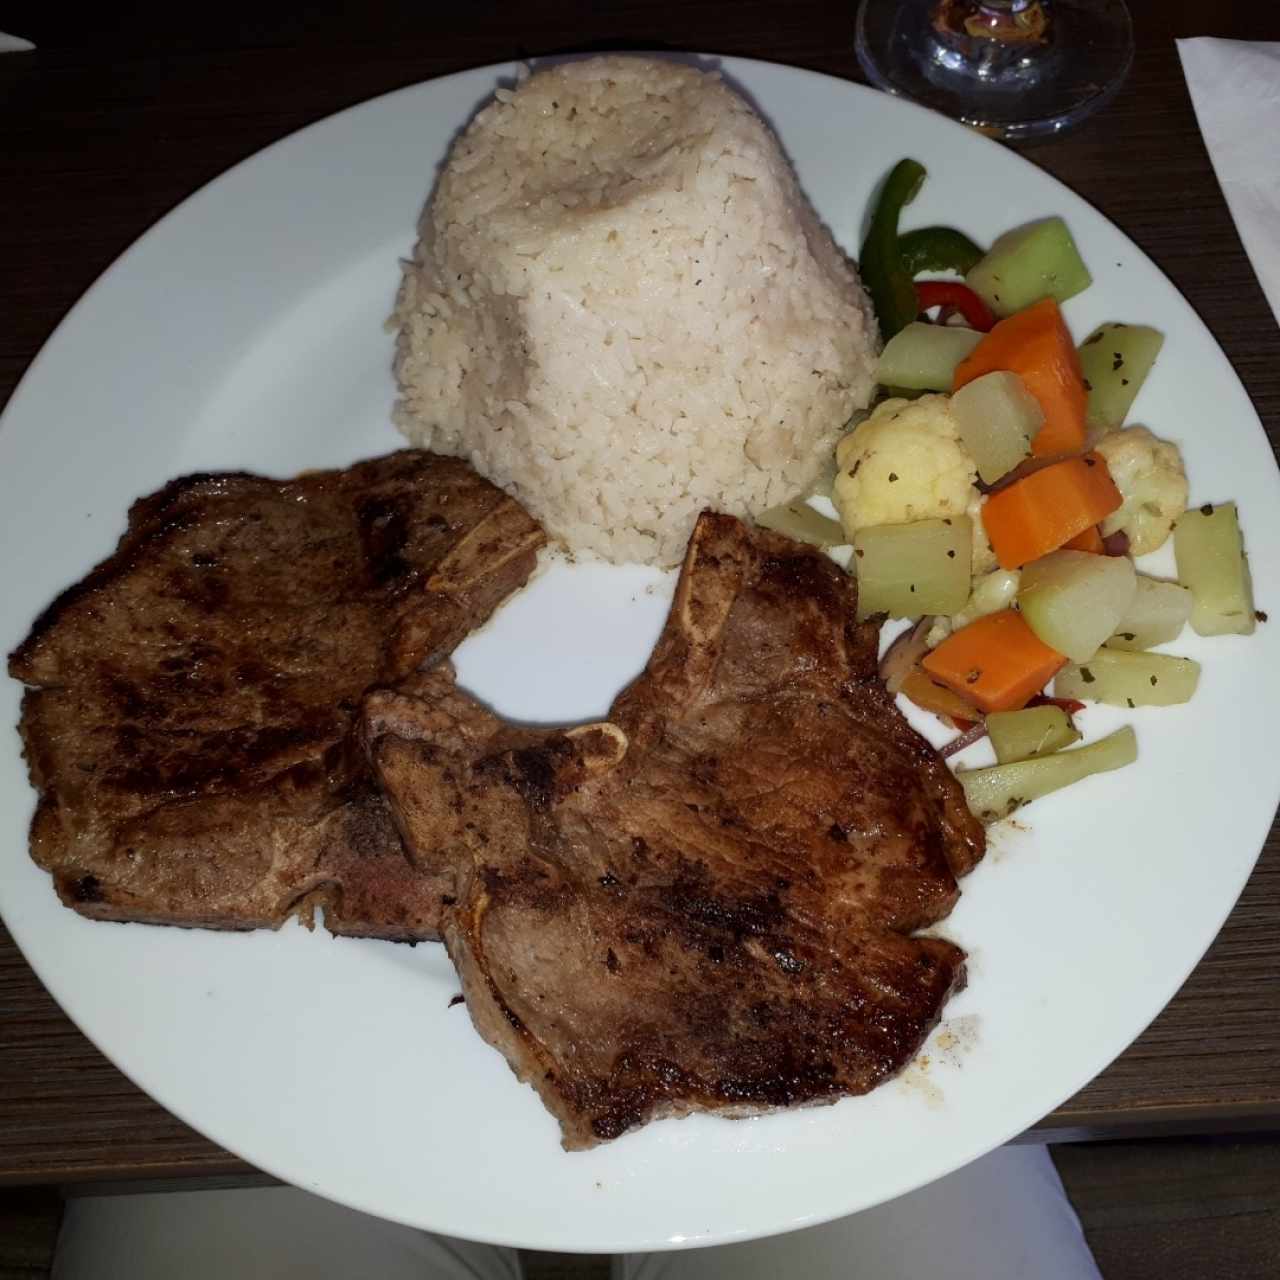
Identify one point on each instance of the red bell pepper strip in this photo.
(951, 293)
(1072, 706)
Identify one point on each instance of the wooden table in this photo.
(107, 127)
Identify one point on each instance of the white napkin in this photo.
(1235, 88)
(14, 44)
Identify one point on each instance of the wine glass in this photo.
(1012, 68)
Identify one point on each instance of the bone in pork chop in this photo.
(190, 702)
(704, 903)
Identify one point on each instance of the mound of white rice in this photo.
(623, 310)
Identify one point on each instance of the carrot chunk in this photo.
(1090, 540)
(997, 663)
(1046, 509)
(1036, 345)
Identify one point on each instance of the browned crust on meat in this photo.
(190, 702)
(707, 902)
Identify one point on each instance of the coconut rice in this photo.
(623, 310)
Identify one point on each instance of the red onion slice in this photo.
(904, 654)
(1116, 544)
(975, 733)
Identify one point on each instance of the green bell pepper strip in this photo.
(884, 273)
(938, 249)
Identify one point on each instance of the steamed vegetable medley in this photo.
(997, 497)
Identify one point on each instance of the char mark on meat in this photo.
(190, 703)
(707, 902)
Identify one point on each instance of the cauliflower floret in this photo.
(991, 593)
(1152, 481)
(984, 559)
(906, 463)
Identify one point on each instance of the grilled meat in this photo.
(706, 902)
(190, 703)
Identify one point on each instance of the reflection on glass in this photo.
(1012, 68)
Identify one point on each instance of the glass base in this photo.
(1049, 77)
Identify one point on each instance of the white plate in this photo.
(245, 331)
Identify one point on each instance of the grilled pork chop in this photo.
(190, 702)
(706, 902)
